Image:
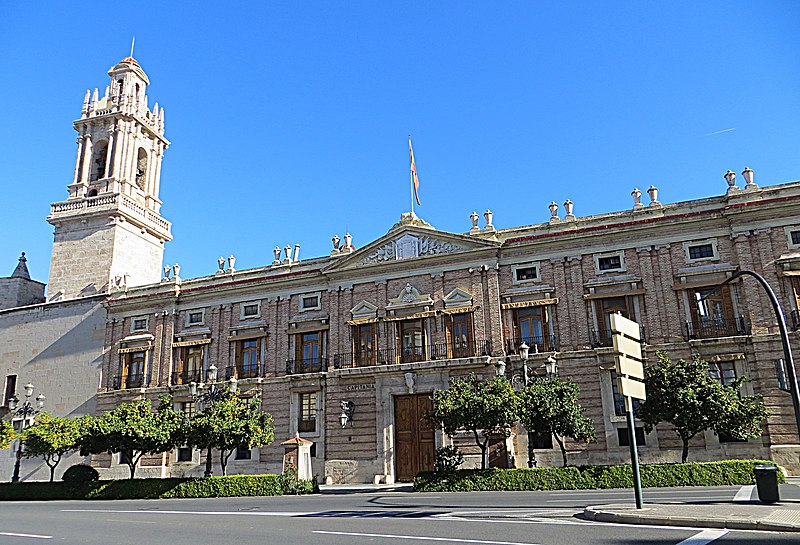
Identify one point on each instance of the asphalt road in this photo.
(397, 518)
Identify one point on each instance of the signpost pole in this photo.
(637, 478)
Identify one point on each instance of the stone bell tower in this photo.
(109, 232)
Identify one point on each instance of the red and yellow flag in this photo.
(414, 178)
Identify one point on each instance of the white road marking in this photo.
(706, 536)
(136, 521)
(25, 535)
(225, 513)
(424, 538)
(744, 493)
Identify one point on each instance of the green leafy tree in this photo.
(51, 437)
(486, 409)
(552, 407)
(134, 429)
(6, 433)
(682, 393)
(226, 424)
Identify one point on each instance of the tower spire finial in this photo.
(133, 41)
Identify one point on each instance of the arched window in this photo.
(136, 93)
(141, 168)
(92, 193)
(99, 161)
(120, 87)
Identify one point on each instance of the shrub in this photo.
(728, 472)
(447, 460)
(235, 485)
(80, 474)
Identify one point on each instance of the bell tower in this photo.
(109, 232)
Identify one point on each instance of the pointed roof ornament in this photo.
(22, 269)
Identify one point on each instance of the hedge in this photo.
(212, 487)
(724, 473)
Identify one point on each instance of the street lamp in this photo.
(24, 411)
(210, 393)
(346, 416)
(550, 368)
(776, 307)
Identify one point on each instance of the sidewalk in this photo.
(783, 516)
(361, 488)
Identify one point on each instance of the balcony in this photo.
(437, 351)
(311, 365)
(185, 377)
(605, 338)
(241, 372)
(536, 343)
(124, 382)
(711, 328)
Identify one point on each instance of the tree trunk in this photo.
(208, 471)
(482, 446)
(132, 467)
(224, 456)
(685, 452)
(52, 463)
(563, 450)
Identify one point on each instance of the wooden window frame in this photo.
(405, 326)
(307, 412)
(365, 358)
(241, 351)
(460, 348)
(518, 318)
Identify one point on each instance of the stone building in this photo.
(346, 349)
(109, 234)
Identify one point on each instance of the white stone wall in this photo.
(58, 347)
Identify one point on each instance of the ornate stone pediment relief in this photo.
(410, 297)
(407, 246)
(458, 298)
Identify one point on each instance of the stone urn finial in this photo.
(221, 264)
(568, 206)
(288, 251)
(748, 177)
(177, 269)
(637, 198)
(231, 263)
(474, 219)
(336, 241)
(348, 241)
(553, 206)
(653, 192)
(730, 177)
(167, 270)
(488, 215)
(277, 252)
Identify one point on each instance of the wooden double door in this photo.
(414, 438)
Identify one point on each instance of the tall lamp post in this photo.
(210, 393)
(787, 350)
(24, 411)
(550, 370)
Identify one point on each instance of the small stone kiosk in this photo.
(298, 455)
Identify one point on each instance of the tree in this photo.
(228, 423)
(51, 437)
(552, 407)
(682, 393)
(134, 429)
(484, 408)
(6, 433)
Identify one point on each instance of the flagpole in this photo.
(410, 176)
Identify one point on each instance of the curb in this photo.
(600, 514)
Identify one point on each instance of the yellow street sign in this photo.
(629, 368)
(631, 388)
(629, 328)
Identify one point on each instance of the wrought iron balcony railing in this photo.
(436, 351)
(242, 372)
(605, 338)
(310, 365)
(710, 328)
(185, 377)
(123, 382)
(536, 343)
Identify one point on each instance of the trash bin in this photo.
(767, 483)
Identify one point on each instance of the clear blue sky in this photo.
(289, 120)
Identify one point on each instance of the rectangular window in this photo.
(10, 389)
(243, 452)
(132, 375)
(712, 314)
(604, 308)
(526, 274)
(139, 324)
(462, 344)
(251, 310)
(619, 399)
(309, 302)
(190, 366)
(724, 372)
(308, 352)
(194, 317)
(307, 415)
(187, 408)
(184, 454)
(248, 358)
(531, 328)
(701, 251)
(412, 341)
(609, 263)
(625, 438)
(365, 345)
(795, 237)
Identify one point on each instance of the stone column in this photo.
(109, 149)
(87, 158)
(78, 156)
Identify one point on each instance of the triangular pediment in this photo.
(410, 242)
(458, 298)
(364, 309)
